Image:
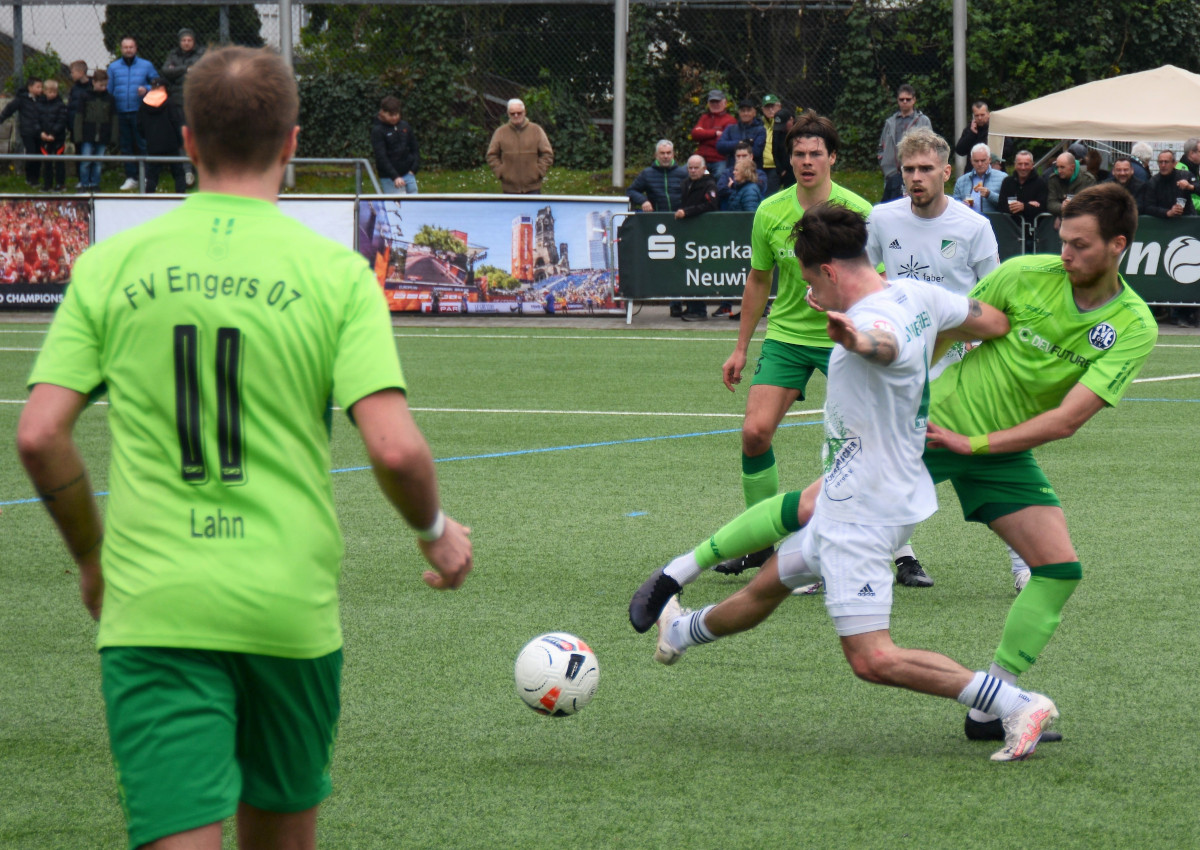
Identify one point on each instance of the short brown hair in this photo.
(390, 105)
(100, 74)
(811, 125)
(79, 65)
(241, 105)
(1112, 205)
(830, 231)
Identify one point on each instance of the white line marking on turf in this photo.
(552, 337)
(597, 412)
(1165, 378)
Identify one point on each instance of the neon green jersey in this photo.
(1052, 346)
(222, 331)
(791, 319)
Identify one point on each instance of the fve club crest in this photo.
(1102, 336)
(949, 248)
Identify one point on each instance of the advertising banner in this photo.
(39, 241)
(706, 256)
(492, 253)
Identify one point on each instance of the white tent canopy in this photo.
(1149, 106)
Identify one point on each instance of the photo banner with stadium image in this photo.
(39, 240)
(498, 254)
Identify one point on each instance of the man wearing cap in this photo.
(709, 128)
(174, 70)
(747, 129)
(774, 158)
(906, 118)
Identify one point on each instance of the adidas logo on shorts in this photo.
(866, 590)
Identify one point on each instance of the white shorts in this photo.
(855, 563)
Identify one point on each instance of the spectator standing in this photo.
(520, 154)
(977, 132)
(1067, 181)
(52, 137)
(128, 80)
(1023, 194)
(95, 128)
(164, 135)
(174, 72)
(1139, 156)
(725, 182)
(774, 158)
(81, 85)
(1122, 175)
(906, 118)
(1092, 162)
(205, 639)
(747, 129)
(1163, 196)
(699, 197)
(395, 145)
(1190, 165)
(979, 188)
(745, 194)
(659, 186)
(709, 128)
(25, 105)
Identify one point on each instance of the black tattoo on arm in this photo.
(90, 549)
(49, 495)
(878, 346)
(974, 309)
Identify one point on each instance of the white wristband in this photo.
(435, 530)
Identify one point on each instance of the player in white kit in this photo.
(875, 487)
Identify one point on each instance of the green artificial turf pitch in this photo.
(761, 740)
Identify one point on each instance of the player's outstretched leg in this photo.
(760, 526)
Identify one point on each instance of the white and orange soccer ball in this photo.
(556, 674)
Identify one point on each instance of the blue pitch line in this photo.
(528, 451)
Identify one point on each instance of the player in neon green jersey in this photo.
(223, 331)
(1079, 337)
(796, 342)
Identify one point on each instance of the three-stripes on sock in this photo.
(689, 630)
(991, 695)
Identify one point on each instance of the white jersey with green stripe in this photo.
(222, 331)
(1052, 346)
(791, 319)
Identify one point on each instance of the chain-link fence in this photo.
(454, 66)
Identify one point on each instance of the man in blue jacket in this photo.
(659, 187)
(128, 81)
(748, 128)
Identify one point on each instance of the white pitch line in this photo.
(551, 338)
(597, 412)
(1165, 378)
(21, 349)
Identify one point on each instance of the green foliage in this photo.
(497, 278)
(335, 114)
(576, 141)
(45, 65)
(156, 27)
(439, 239)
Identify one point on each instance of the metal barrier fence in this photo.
(359, 165)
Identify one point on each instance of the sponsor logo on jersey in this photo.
(1034, 340)
(866, 590)
(895, 245)
(838, 455)
(949, 248)
(1102, 336)
(913, 268)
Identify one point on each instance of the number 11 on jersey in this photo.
(189, 412)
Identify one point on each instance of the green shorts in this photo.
(194, 732)
(784, 364)
(992, 486)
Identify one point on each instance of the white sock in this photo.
(683, 569)
(689, 630)
(998, 672)
(905, 551)
(991, 694)
(1018, 563)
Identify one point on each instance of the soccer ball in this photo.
(556, 674)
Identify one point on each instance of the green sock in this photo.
(755, 528)
(1036, 614)
(760, 477)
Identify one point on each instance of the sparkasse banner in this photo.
(707, 256)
